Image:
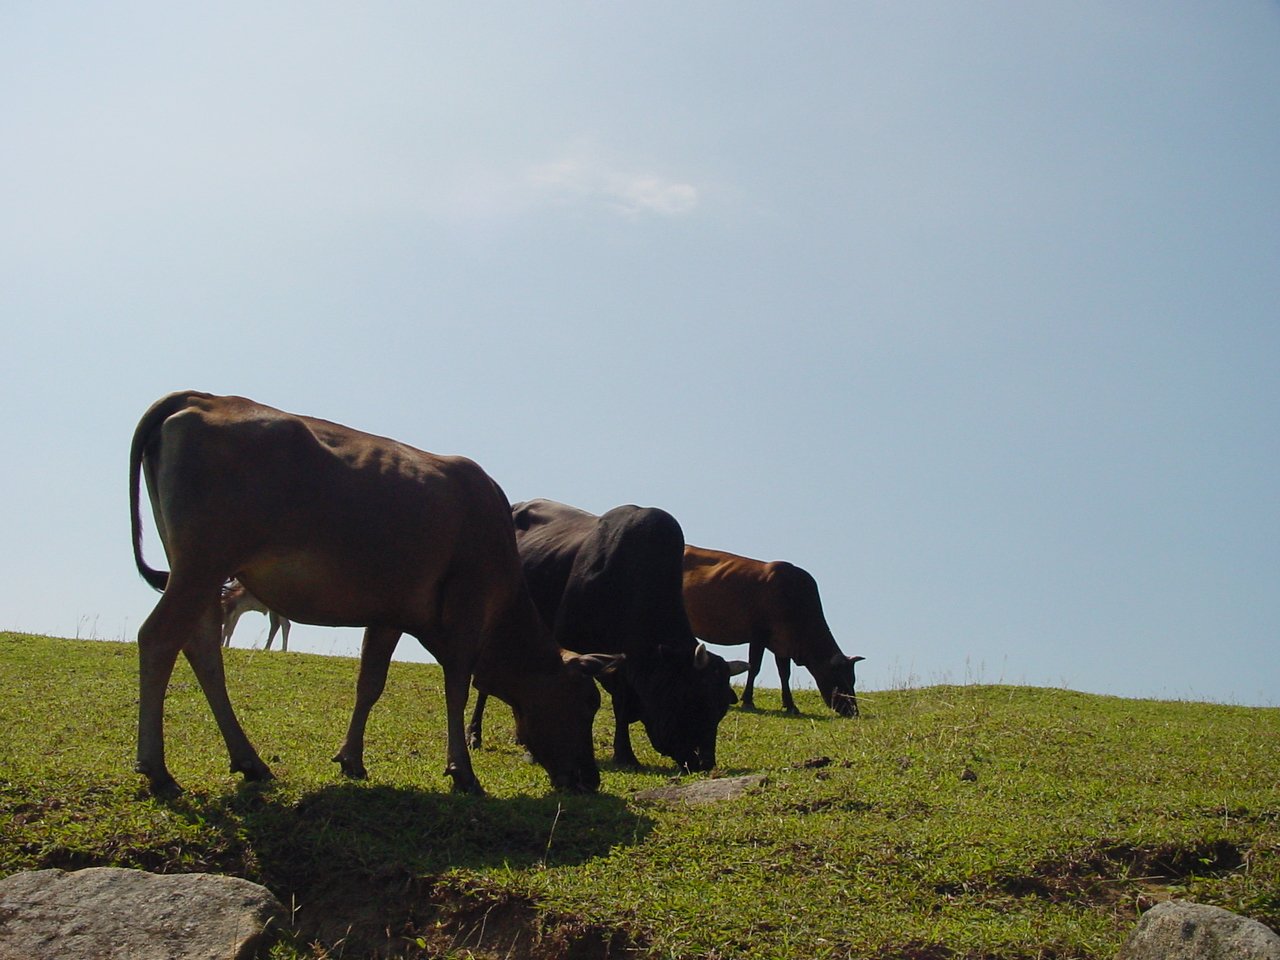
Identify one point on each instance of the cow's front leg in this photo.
(624, 754)
(755, 657)
(457, 684)
(375, 657)
(784, 674)
(204, 652)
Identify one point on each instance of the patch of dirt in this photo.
(1245, 814)
(506, 926)
(813, 763)
(423, 917)
(1119, 875)
(923, 950)
(832, 804)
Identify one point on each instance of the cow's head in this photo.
(835, 680)
(683, 696)
(554, 722)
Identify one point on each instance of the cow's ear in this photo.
(598, 664)
(703, 658)
(737, 667)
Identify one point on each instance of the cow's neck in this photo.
(521, 648)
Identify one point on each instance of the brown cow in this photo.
(332, 526)
(237, 601)
(732, 600)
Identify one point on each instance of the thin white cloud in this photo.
(579, 179)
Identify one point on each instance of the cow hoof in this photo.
(165, 788)
(471, 788)
(254, 770)
(351, 768)
(160, 785)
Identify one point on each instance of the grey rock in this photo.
(705, 791)
(1180, 930)
(107, 913)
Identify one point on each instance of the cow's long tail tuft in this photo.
(144, 439)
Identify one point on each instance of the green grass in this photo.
(975, 821)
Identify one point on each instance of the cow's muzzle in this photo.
(585, 780)
(699, 761)
(845, 704)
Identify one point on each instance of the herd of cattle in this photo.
(308, 520)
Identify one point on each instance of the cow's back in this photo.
(725, 596)
(331, 525)
(735, 600)
(548, 538)
(624, 592)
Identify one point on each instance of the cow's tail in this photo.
(144, 438)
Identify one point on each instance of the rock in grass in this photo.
(105, 912)
(1179, 930)
(704, 791)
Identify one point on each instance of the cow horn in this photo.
(856, 659)
(702, 656)
(599, 664)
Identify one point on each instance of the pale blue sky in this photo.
(969, 309)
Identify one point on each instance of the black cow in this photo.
(613, 584)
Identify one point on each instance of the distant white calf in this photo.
(237, 600)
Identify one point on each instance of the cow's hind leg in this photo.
(375, 657)
(475, 729)
(204, 653)
(159, 640)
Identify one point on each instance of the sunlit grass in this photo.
(952, 820)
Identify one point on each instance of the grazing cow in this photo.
(732, 600)
(332, 526)
(236, 600)
(611, 584)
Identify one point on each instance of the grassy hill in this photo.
(976, 821)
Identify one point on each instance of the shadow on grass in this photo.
(821, 716)
(360, 862)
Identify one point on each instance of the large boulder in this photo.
(1179, 930)
(106, 913)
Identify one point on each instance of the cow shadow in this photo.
(355, 857)
(426, 830)
(779, 711)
